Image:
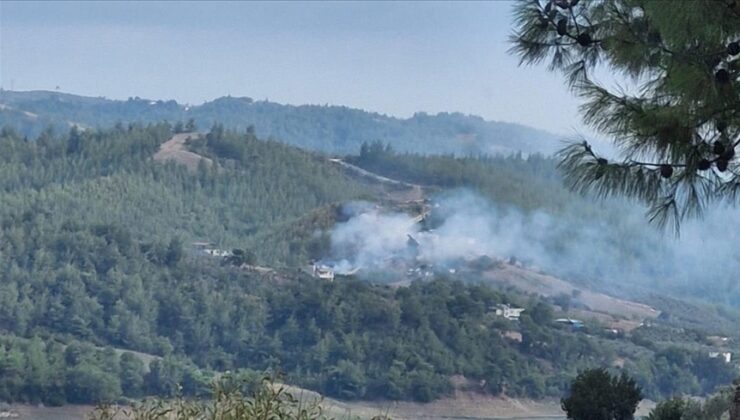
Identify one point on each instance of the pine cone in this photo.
(718, 148)
(562, 26)
(584, 39)
(733, 48)
(722, 164)
(666, 171)
(722, 76)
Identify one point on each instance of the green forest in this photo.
(330, 129)
(103, 296)
(628, 255)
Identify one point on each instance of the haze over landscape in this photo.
(396, 59)
(372, 204)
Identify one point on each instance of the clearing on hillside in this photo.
(174, 149)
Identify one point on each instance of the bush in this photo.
(714, 408)
(672, 409)
(270, 401)
(595, 395)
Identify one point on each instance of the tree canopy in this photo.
(713, 408)
(676, 120)
(331, 129)
(106, 294)
(597, 395)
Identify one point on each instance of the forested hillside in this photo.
(96, 256)
(109, 177)
(332, 129)
(560, 230)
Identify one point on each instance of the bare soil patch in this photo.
(550, 286)
(174, 149)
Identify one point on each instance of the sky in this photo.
(394, 58)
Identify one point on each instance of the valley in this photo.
(503, 210)
(421, 282)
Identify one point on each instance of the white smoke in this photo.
(466, 227)
(369, 238)
(621, 254)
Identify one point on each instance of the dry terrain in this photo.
(614, 312)
(392, 190)
(463, 405)
(622, 312)
(174, 149)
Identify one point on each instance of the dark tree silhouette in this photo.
(597, 395)
(677, 122)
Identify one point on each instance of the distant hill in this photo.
(332, 129)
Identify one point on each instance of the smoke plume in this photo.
(621, 252)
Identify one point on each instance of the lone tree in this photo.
(676, 121)
(597, 395)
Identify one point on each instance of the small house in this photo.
(724, 355)
(215, 252)
(509, 312)
(323, 272)
(208, 248)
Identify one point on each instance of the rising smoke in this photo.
(622, 252)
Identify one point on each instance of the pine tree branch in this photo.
(672, 131)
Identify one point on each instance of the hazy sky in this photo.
(393, 58)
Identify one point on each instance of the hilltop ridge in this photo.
(331, 129)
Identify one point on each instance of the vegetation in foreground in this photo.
(596, 394)
(230, 400)
(676, 120)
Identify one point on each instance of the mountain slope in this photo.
(96, 253)
(332, 129)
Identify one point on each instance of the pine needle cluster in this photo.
(675, 122)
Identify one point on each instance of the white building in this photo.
(323, 272)
(219, 252)
(207, 248)
(724, 355)
(508, 312)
